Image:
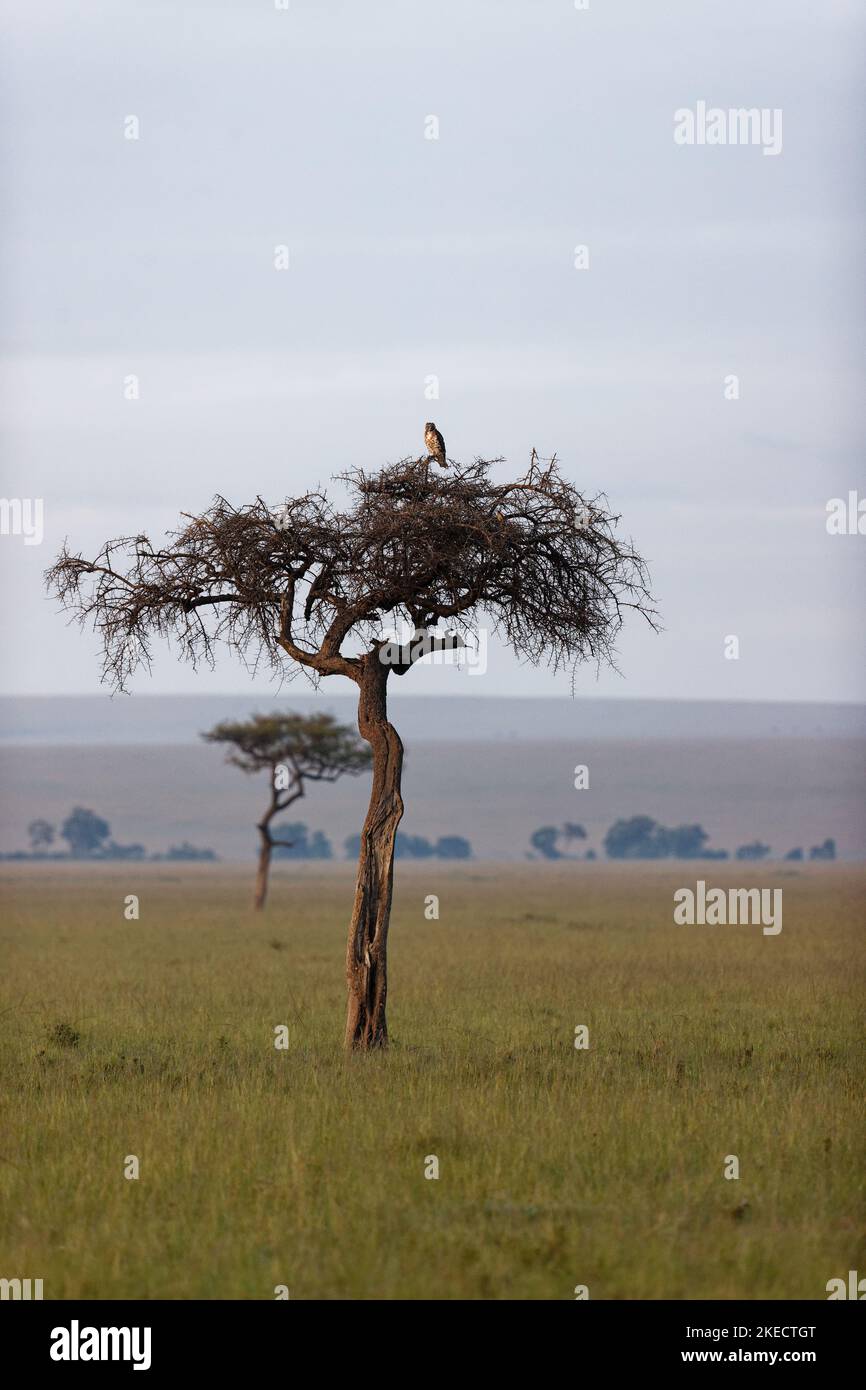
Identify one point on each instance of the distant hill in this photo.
(178, 719)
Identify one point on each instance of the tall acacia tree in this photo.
(318, 582)
(294, 749)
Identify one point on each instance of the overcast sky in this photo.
(454, 258)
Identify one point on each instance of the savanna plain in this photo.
(558, 1166)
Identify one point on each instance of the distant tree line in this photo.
(418, 847)
(297, 842)
(316, 845)
(88, 836)
(641, 837)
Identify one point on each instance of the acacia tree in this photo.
(84, 832)
(41, 833)
(294, 749)
(317, 582)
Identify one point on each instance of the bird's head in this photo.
(429, 425)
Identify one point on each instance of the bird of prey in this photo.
(435, 444)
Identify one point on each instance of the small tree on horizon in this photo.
(321, 583)
(294, 749)
(546, 839)
(84, 832)
(303, 844)
(755, 850)
(40, 833)
(825, 851)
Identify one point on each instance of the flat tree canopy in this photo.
(313, 747)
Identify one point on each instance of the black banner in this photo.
(158, 1339)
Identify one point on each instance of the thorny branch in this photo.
(534, 558)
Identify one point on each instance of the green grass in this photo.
(306, 1168)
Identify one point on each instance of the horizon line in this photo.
(428, 695)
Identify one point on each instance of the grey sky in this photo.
(412, 257)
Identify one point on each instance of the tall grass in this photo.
(303, 1167)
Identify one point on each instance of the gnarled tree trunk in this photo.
(265, 847)
(266, 839)
(366, 956)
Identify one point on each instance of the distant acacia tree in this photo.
(321, 584)
(545, 840)
(40, 833)
(298, 843)
(412, 847)
(755, 850)
(115, 851)
(453, 847)
(187, 852)
(643, 838)
(687, 841)
(84, 832)
(293, 749)
(825, 851)
(639, 837)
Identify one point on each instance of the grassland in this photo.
(303, 1167)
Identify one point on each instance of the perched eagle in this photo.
(435, 444)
